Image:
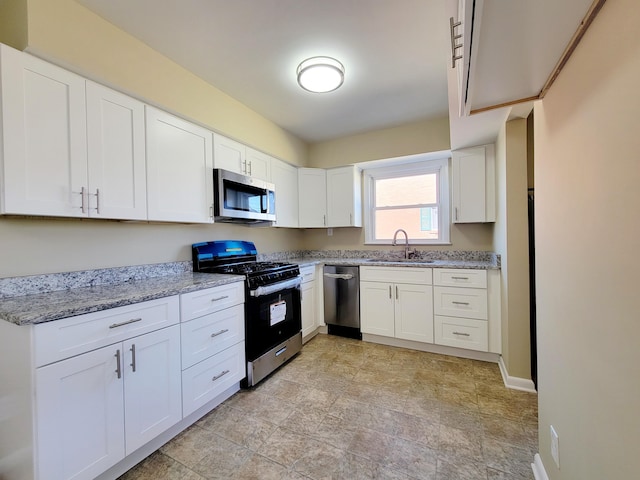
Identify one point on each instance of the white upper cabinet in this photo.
(344, 197)
(179, 169)
(237, 157)
(285, 178)
(72, 148)
(330, 198)
(229, 154)
(474, 194)
(44, 152)
(116, 154)
(312, 193)
(258, 165)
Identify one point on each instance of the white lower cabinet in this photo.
(213, 358)
(391, 306)
(95, 408)
(308, 300)
(461, 309)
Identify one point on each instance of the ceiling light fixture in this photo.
(320, 74)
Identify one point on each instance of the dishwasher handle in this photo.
(341, 276)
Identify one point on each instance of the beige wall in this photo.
(511, 242)
(418, 137)
(13, 23)
(587, 235)
(71, 35)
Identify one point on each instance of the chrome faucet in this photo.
(407, 252)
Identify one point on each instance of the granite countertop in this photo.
(44, 298)
(45, 307)
(363, 262)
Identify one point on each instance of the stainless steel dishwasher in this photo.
(342, 300)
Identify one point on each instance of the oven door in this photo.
(271, 317)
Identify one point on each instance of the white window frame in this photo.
(438, 166)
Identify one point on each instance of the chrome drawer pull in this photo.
(460, 303)
(219, 298)
(462, 334)
(133, 320)
(225, 330)
(222, 374)
(460, 278)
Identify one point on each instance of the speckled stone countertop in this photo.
(32, 308)
(422, 259)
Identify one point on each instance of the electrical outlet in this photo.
(555, 447)
(329, 232)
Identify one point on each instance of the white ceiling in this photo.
(395, 54)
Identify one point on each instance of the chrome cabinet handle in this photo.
(133, 357)
(460, 278)
(396, 292)
(461, 334)
(221, 374)
(324, 219)
(217, 299)
(83, 199)
(389, 291)
(351, 219)
(97, 195)
(133, 320)
(225, 330)
(460, 303)
(250, 169)
(118, 369)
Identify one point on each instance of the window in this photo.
(414, 197)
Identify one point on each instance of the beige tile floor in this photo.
(344, 409)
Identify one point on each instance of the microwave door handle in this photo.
(264, 202)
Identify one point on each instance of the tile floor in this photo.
(344, 409)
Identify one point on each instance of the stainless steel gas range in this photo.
(273, 325)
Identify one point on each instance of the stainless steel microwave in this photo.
(242, 199)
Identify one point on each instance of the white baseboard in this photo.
(539, 473)
(516, 383)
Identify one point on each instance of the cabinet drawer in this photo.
(462, 332)
(71, 336)
(308, 274)
(460, 278)
(460, 302)
(210, 334)
(203, 302)
(204, 381)
(420, 276)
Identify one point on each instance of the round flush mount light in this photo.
(320, 74)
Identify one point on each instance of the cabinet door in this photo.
(285, 178)
(44, 136)
(344, 208)
(308, 307)
(229, 154)
(474, 185)
(116, 152)
(152, 385)
(80, 415)
(377, 308)
(312, 194)
(258, 165)
(179, 169)
(414, 312)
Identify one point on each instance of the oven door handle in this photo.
(275, 287)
